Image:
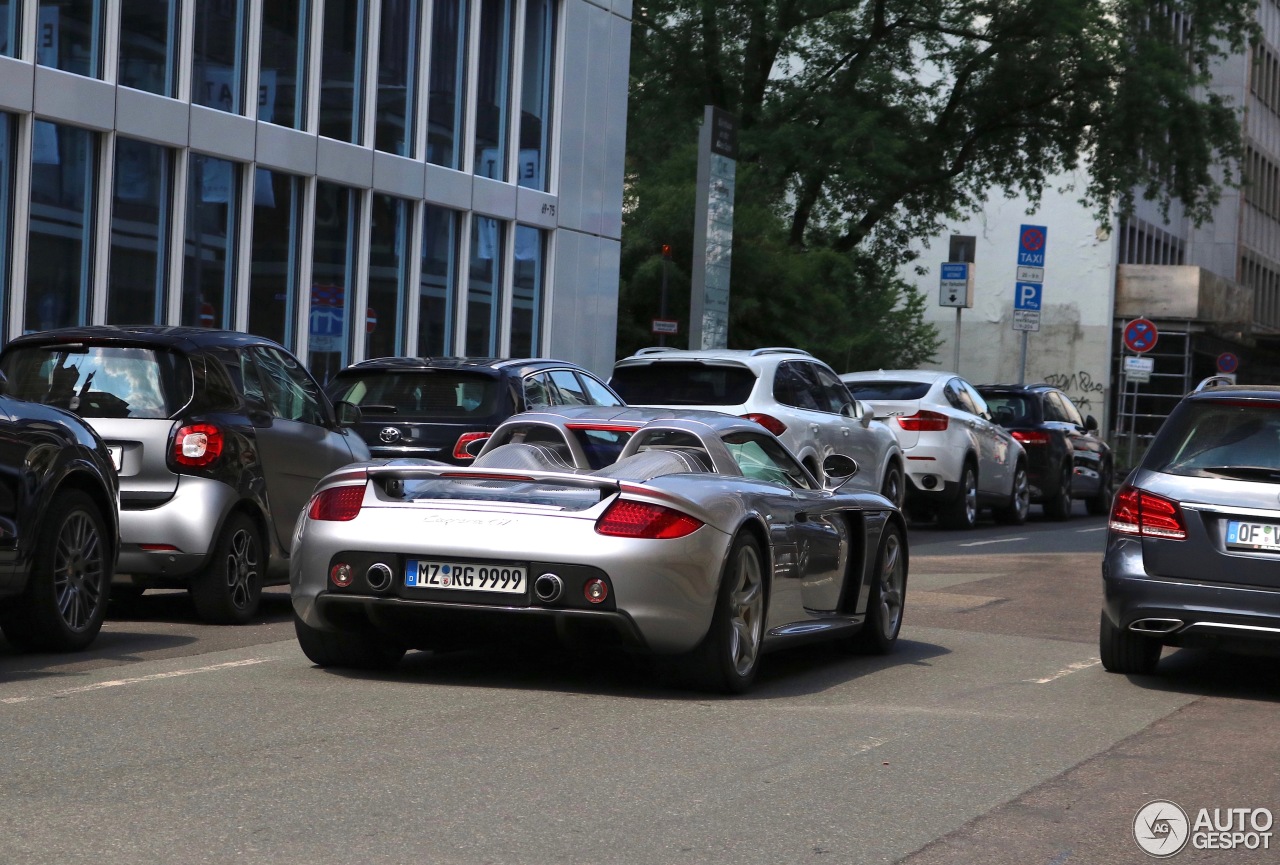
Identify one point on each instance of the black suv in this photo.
(1066, 458)
(445, 408)
(219, 438)
(57, 527)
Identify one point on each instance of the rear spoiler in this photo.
(382, 473)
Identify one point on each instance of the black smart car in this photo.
(1066, 458)
(445, 408)
(58, 545)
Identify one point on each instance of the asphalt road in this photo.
(992, 735)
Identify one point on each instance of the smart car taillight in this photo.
(1136, 512)
(337, 503)
(465, 448)
(626, 519)
(1031, 437)
(924, 421)
(768, 421)
(197, 445)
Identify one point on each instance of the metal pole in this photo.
(662, 303)
(1022, 365)
(955, 363)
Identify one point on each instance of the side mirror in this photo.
(347, 413)
(838, 468)
(1090, 423)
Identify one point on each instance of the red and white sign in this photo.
(1140, 335)
(666, 325)
(370, 320)
(207, 314)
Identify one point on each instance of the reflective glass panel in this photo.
(218, 55)
(536, 91)
(149, 45)
(273, 281)
(140, 205)
(332, 277)
(69, 35)
(208, 273)
(6, 209)
(484, 288)
(446, 103)
(282, 83)
(9, 29)
(493, 87)
(388, 276)
(60, 245)
(439, 281)
(397, 75)
(341, 78)
(526, 292)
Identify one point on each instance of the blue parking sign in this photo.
(1027, 295)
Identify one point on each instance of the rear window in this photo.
(890, 390)
(101, 381)
(1219, 438)
(1009, 408)
(421, 394)
(683, 384)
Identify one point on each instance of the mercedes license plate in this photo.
(1253, 536)
(465, 576)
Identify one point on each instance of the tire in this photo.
(1099, 504)
(364, 650)
(888, 596)
(1015, 512)
(1059, 506)
(962, 513)
(728, 657)
(894, 487)
(229, 589)
(1125, 651)
(65, 600)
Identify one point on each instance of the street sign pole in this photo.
(955, 361)
(1022, 364)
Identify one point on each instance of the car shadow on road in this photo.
(175, 606)
(1216, 674)
(111, 648)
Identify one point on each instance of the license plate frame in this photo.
(117, 456)
(467, 577)
(1253, 536)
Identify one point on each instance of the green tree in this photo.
(866, 124)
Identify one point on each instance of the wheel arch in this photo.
(87, 484)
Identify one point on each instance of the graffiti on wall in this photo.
(1081, 386)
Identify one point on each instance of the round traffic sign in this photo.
(1140, 335)
(1228, 362)
(1032, 239)
(370, 320)
(207, 314)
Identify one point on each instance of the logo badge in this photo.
(389, 434)
(1161, 829)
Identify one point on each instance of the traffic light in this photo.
(666, 251)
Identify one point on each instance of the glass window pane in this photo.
(9, 29)
(526, 297)
(484, 288)
(333, 271)
(536, 92)
(447, 101)
(6, 210)
(388, 272)
(149, 45)
(140, 205)
(282, 83)
(64, 163)
(69, 36)
(494, 84)
(397, 74)
(208, 273)
(273, 280)
(342, 63)
(440, 266)
(218, 55)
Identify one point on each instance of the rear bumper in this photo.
(188, 522)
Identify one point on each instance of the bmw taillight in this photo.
(197, 445)
(626, 519)
(1031, 437)
(338, 504)
(461, 450)
(1136, 512)
(924, 421)
(768, 421)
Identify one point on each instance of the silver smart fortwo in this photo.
(691, 535)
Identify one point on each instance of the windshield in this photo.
(683, 384)
(1219, 437)
(101, 381)
(890, 390)
(420, 394)
(1010, 408)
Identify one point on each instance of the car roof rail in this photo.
(656, 349)
(779, 349)
(1214, 381)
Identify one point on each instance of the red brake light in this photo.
(337, 503)
(460, 451)
(1031, 437)
(1147, 515)
(197, 445)
(924, 421)
(625, 519)
(769, 422)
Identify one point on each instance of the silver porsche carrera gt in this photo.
(686, 534)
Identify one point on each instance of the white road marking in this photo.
(996, 541)
(1068, 670)
(116, 683)
(1095, 529)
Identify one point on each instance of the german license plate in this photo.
(465, 576)
(1253, 536)
(117, 453)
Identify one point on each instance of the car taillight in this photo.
(1147, 515)
(626, 519)
(1031, 437)
(768, 421)
(337, 503)
(197, 445)
(460, 451)
(924, 421)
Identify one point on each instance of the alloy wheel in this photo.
(242, 569)
(746, 607)
(77, 571)
(893, 579)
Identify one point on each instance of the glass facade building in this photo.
(353, 178)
